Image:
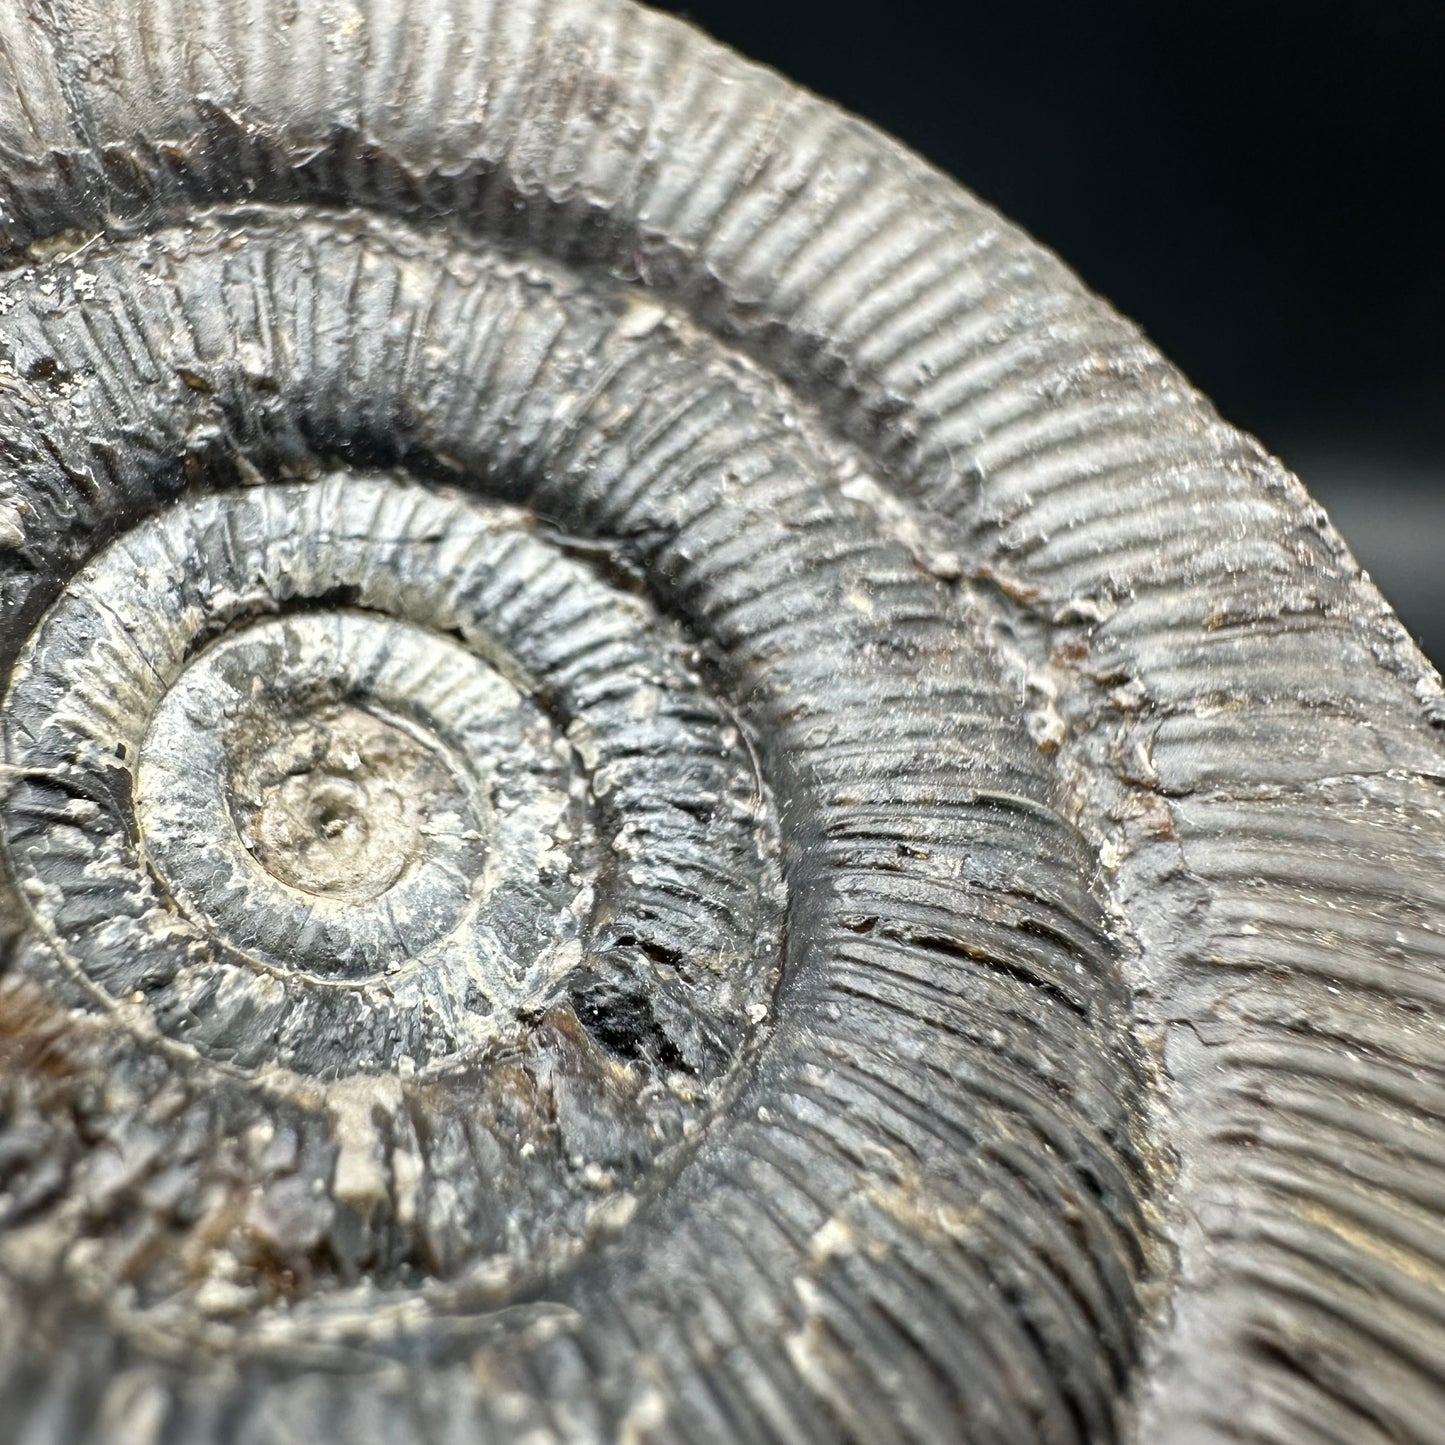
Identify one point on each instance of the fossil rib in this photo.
(658, 787)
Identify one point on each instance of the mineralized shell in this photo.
(657, 787)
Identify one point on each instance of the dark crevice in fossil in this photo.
(621, 1019)
(330, 599)
(972, 955)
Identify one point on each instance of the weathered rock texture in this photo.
(658, 787)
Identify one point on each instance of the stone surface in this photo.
(658, 787)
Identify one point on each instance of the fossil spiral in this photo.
(658, 787)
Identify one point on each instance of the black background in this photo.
(1256, 182)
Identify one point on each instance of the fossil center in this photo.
(337, 803)
(288, 756)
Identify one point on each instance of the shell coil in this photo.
(656, 786)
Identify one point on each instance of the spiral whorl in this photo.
(657, 787)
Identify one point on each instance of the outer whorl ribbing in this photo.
(658, 787)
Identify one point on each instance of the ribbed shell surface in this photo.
(958, 951)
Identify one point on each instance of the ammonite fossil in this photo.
(658, 787)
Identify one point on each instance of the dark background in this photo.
(1256, 182)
